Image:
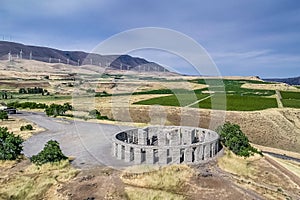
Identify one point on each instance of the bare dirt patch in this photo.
(97, 183)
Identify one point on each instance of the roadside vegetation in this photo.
(10, 145)
(3, 115)
(34, 90)
(58, 110)
(232, 137)
(95, 114)
(28, 105)
(50, 154)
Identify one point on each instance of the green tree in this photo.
(51, 153)
(56, 109)
(3, 115)
(67, 106)
(10, 145)
(231, 136)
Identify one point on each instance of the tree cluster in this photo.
(10, 145)
(57, 109)
(51, 153)
(34, 90)
(30, 105)
(233, 138)
(4, 95)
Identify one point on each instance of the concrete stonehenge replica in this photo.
(165, 145)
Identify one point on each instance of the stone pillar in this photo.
(149, 156)
(186, 135)
(162, 156)
(142, 137)
(119, 151)
(174, 137)
(213, 149)
(161, 136)
(206, 151)
(127, 153)
(198, 158)
(115, 149)
(175, 152)
(188, 155)
(201, 152)
(137, 156)
(193, 135)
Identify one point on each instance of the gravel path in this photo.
(89, 143)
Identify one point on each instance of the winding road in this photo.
(89, 143)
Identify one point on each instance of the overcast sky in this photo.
(248, 37)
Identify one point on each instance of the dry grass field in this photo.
(13, 124)
(230, 177)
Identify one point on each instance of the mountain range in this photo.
(290, 81)
(46, 54)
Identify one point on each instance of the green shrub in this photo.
(3, 115)
(58, 110)
(26, 127)
(94, 113)
(97, 115)
(232, 137)
(51, 153)
(10, 145)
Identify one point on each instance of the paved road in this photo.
(89, 143)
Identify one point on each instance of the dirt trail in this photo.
(278, 99)
(285, 171)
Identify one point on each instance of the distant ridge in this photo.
(290, 81)
(45, 54)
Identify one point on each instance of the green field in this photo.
(233, 87)
(241, 103)
(173, 100)
(230, 102)
(291, 103)
(228, 96)
(290, 99)
(290, 95)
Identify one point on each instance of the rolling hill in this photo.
(45, 54)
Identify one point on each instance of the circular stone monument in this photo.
(165, 145)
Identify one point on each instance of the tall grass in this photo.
(34, 181)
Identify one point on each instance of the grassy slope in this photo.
(30, 181)
(166, 183)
